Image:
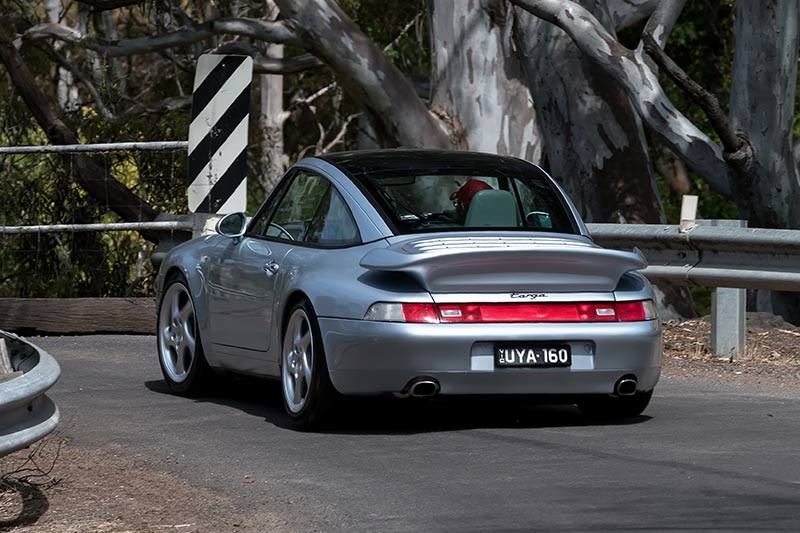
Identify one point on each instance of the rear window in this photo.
(446, 200)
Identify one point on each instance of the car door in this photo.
(243, 279)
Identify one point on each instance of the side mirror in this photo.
(539, 219)
(232, 225)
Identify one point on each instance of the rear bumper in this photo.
(380, 357)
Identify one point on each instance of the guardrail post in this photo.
(727, 310)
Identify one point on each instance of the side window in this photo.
(308, 210)
(332, 225)
(541, 208)
(297, 208)
(260, 221)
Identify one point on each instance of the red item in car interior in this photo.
(468, 190)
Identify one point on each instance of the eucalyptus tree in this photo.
(756, 160)
(546, 80)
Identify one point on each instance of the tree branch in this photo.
(663, 19)
(108, 5)
(288, 65)
(629, 69)
(271, 65)
(270, 31)
(86, 172)
(625, 13)
(707, 101)
(155, 108)
(340, 136)
(365, 72)
(98, 101)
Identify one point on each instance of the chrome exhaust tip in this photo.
(626, 386)
(424, 388)
(419, 388)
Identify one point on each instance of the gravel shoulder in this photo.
(59, 487)
(771, 358)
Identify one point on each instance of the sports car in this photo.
(414, 273)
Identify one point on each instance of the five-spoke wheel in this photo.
(298, 360)
(179, 351)
(307, 391)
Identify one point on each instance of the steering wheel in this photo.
(282, 230)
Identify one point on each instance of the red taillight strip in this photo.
(528, 312)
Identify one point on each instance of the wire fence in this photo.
(38, 187)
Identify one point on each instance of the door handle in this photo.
(271, 267)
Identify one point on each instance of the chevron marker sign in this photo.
(218, 134)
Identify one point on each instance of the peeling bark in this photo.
(593, 136)
(663, 19)
(624, 13)
(364, 71)
(594, 139)
(629, 69)
(479, 82)
(762, 106)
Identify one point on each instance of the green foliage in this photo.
(40, 189)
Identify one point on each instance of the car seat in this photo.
(492, 208)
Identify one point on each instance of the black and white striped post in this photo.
(217, 164)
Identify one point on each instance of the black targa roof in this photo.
(418, 161)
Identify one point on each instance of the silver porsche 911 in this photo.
(415, 273)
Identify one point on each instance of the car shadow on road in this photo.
(389, 415)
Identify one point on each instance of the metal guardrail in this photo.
(711, 256)
(26, 413)
(98, 147)
(166, 225)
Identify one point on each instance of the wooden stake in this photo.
(688, 212)
(5, 360)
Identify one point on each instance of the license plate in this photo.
(532, 355)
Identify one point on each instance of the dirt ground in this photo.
(57, 487)
(772, 353)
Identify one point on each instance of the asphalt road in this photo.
(704, 457)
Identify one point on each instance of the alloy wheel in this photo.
(177, 335)
(298, 360)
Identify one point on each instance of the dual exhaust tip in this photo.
(420, 388)
(626, 386)
(428, 387)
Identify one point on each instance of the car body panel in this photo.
(369, 357)
(240, 308)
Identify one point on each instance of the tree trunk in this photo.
(634, 75)
(66, 90)
(397, 113)
(272, 115)
(271, 124)
(593, 137)
(480, 89)
(762, 106)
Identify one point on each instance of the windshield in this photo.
(455, 201)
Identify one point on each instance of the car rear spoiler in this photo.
(490, 264)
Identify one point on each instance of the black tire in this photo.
(615, 406)
(309, 402)
(180, 349)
